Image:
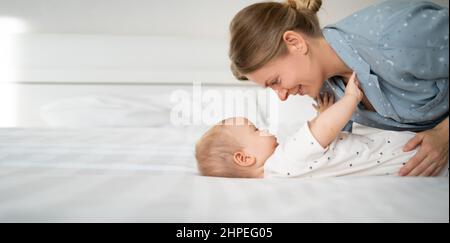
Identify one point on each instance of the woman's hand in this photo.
(323, 103)
(432, 156)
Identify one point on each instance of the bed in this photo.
(95, 150)
(149, 175)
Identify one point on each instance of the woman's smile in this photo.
(301, 91)
(298, 90)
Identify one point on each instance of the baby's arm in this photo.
(329, 123)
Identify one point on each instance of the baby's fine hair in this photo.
(214, 153)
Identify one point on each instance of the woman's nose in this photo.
(282, 94)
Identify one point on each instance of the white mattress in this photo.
(164, 149)
(149, 175)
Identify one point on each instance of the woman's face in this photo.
(295, 73)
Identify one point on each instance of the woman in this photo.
(399, 50)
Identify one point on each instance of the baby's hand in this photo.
(323, 103)
(352, 88)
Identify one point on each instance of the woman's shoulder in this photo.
(387, 14)
(391, 9)
(414, 16)
(411, 24)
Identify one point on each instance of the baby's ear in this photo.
(243, 159)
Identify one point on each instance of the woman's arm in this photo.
(329, 123)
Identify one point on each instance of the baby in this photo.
(236, 148)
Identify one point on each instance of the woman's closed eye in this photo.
(275, 82)
(272, 83)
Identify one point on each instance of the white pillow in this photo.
(107, 111)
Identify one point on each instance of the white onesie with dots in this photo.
(348, 155)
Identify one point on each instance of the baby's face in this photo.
(260, 144)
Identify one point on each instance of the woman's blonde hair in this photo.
(257, 32)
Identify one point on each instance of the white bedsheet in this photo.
(163, 149)
(149, 175)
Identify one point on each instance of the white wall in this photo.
(135, 41)
(125, 17)
(148, 17)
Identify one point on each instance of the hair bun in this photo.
(311, 5)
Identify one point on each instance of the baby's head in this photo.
(234, 148)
